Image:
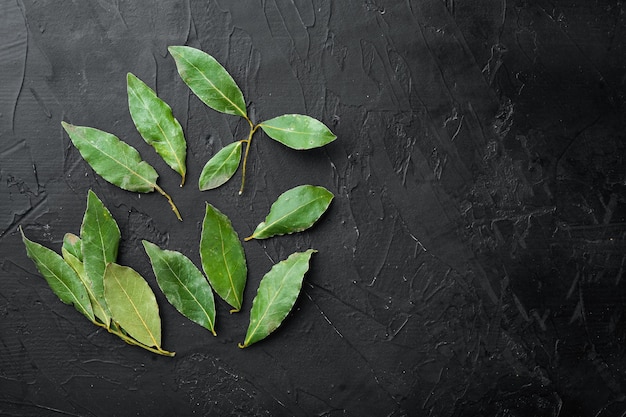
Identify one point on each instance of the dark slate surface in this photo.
(471, 263)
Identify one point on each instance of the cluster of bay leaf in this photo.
(116, 297)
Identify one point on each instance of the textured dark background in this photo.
(471, 263)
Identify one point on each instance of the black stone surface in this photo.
(471, 264)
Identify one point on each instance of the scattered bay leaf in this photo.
(221, 167)
(157, 125)
(294, 211)
(223, 257)
(276, 295)
(114, 160)
(183, 284)
(298, 131)
(209, 80)
(132, 304)
(61, 278)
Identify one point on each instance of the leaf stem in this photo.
(169, 199)
(248, 142)
(114, 329)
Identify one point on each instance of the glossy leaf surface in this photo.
(157, 125)
(114, 160)
(294, 211)
(298, 131)
(99, 310)
(100, 237)
(183, 284)
(209, 80)
(276, 295)
(132, 304)
(61, 278)
(221, 167)
(72, 244)
(223, 258)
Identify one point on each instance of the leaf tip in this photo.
(242, 345)
(248, 238)
(234, 310)
(66, 126)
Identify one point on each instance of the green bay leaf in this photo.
(132, 304)
(276, 296)
(73, 245)
(114, 160)
(100, 236)
(223, 258)
(61, 278)
(298, 131)
(157, 125)
(294, 211)
(221, 167)
(183, 284)
(209, 80)
(99, 310)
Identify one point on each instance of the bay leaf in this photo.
(61, 278)
(298, 131)
(114, 160)
(183, 284)
(223, 258)
(221, 167)
(294, 211)
(72, 244)
(209, 80)
(276, 296)
(155, 122)
(99, 310)
(100, 237)
(132, 304)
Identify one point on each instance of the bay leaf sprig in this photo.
(276, 296)
(116, 161)
(215, 87)
(111, 296)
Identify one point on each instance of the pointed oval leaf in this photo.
(61, 278)
(114, 160)
(209, 80)
(73, 245)
(294, 211)
(298, 131)
(183, 284)
(132, 304)
(223, 258)
(99, 310)
(100, 237)
(221, 167)
(276, 295)
(157, 125)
